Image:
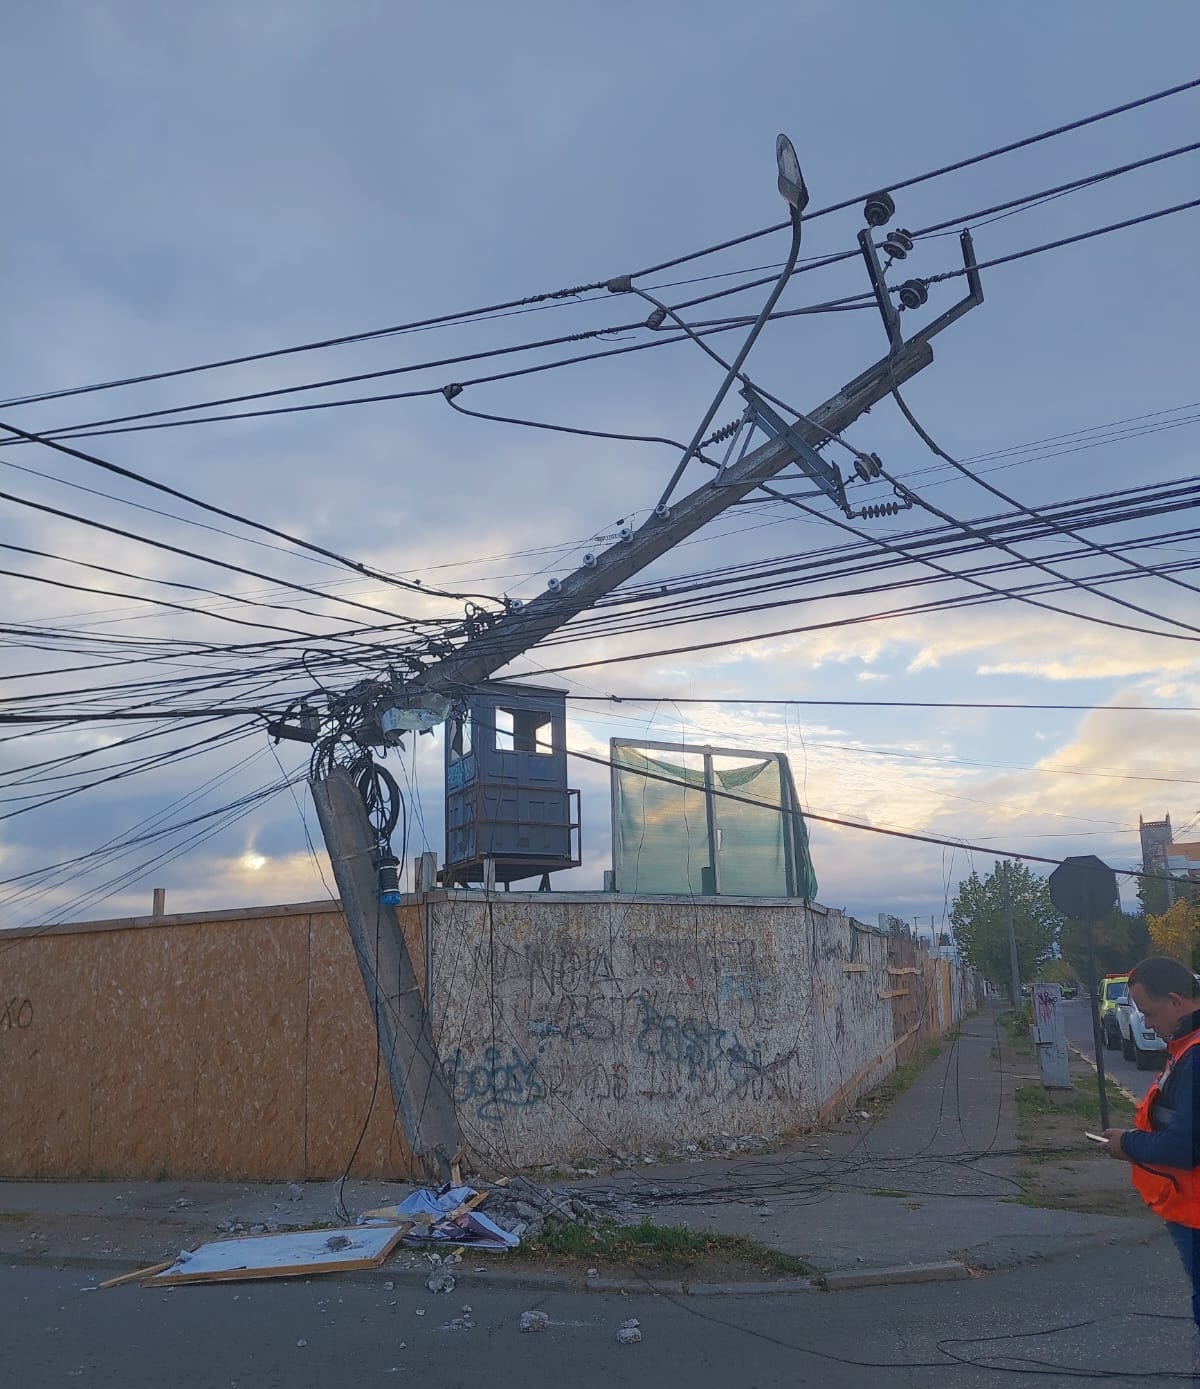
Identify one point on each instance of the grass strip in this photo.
(660, 1246)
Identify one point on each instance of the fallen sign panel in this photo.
(284, 1256)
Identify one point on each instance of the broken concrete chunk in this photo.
(338, 1242)
(440, 1281)
(629, 1336)
(534, 1321)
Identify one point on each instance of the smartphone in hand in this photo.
(1096, 1137)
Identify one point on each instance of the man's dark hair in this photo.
(1161, 975)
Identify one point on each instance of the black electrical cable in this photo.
(48, 510)
(365, 570)
(753, 700)
(572, 293)
(866, 829)
(657, 341)
(1065, 241)
(124, 424)
(1074, 185)
(1038, 514)
(895, 187)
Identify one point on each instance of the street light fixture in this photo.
(792, 188)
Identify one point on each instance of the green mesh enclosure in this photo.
(707, 821)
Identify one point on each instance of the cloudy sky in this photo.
(186, 185)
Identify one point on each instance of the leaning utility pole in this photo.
(376, 711)
(401, 1018)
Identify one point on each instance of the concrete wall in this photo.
(586, 1024)
(240, 1045)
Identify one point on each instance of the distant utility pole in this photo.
(371, 713)
(1013, 961)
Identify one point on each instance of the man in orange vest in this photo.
(1164, 1145)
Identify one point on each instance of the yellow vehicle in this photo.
(1113, 988)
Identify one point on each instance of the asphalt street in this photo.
(1079, 1033)
(1119, 1313)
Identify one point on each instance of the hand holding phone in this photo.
(1096, 1137)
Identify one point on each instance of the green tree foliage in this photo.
(1058, 972)
(1156, 894)
(1119, 942)
(977, 915)
(1176, 931)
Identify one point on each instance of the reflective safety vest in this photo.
(1172, 1193)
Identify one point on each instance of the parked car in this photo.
(1112, 986)
(1139, 1042)
(1070, 989)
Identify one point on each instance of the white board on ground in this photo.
(285, 1256)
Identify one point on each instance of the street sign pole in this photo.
(1085, 889)
(1097, 1035)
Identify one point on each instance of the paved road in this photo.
(1119, 1311)
(1079, 1031)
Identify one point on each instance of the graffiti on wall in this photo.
(672, 1015)
(496, 1083)
(16, 1012)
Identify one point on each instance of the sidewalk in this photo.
(932, 1180)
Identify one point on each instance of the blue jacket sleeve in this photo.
(1176, 1143)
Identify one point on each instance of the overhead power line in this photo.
(1024, 143)
(939, 841)
(568, 294)
(1067, 240)
(307, 545)
(753, 701)
(661, 339)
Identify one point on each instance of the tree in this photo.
(1156, 892)
(1058, 972)
(1176, 931)
(978, 917)
(1118, 941)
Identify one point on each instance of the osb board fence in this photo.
(228, 1046)
(574, 1027)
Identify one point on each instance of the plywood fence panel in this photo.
(45, 1096)
(342, 1062)
(232, 1046)
(141, 1057)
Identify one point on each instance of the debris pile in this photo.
(524, 1208)
(517, 1209)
